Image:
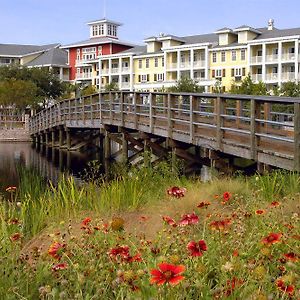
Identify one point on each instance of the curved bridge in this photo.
(196, 127)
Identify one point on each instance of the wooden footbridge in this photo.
(200, 128)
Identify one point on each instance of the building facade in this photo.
(219, 59)
(46, 56)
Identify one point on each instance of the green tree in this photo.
(111, 87)
(290, 89)
(17, 93)
(88, 90)
(248, 87)
(186, 85)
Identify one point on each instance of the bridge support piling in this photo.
(124, 148)
(46, 138)
(60, 136)
(68, 138)
(53, 136)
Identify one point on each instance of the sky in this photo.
(64, 21)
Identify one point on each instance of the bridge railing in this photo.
(255, 125)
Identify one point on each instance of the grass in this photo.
(111, 236)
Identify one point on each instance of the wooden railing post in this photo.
(136, 101)
(192, 129)
(111, 107)
(254, 128)
(100, 108)
(92, 109)
(170, 117)
(83, 110)
(297, 136)
(239, 112)
(151, 115)
(219, 109)
(122, 108)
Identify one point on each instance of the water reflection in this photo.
(49, 163)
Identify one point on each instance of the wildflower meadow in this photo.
(157, 236)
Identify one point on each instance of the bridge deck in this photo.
(265, 129)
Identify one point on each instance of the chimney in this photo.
(271, 24)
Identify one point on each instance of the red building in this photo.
(83, 57)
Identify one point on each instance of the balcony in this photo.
(256, 59)
(185, 65)
(199, 78)
(114, 70)
(256, 77)
(199, 64)
(84, 62)
(288, 56)
(104, 72)
(86, 76)
(125, 85)
(288, 76)
(272, 77)
(172, 66)
(272, 58)
(125, 69)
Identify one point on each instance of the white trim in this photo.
(110, 40)
(227, 48)
(272, 40)
(188, 46)
(149, 55)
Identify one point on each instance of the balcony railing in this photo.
(288, 56)
(199, 78)
(199, 64)
(115, 70)
(125, 69)
(125, 85)
(185, 65)
(172, 66)
(83, 75)
(272, 76)
(256, 77)
(287, 76)
(272, 58)
(256, 59)
(84, 61)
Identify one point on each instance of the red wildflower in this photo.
(260, 212)
(289, 289)
(14, 221)
(86, 222)
(226, 196)
(15, 237)
(122, 253)
(189, 219)
(235, 253)
(169, 221)
(232, 284)
(56, 249)
(272, 238)
(291, 256)
(176, 191)
(275, 204)
(11, 189)
(203, 204)
(167, 273)
(220, 225)
(197, 249)
(61, 266)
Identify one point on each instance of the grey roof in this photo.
(136, 50)
(52, 57)
(201, 38)
(21, 50)
(224, 29)
(276, 33)
(98, 40)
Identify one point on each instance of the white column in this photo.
(131, 75)
(100, 73)
(206, 63)
(165, 66)
(109, 70)
(263, 62)
(61, 73)
(120, 71)
(296, 60)
(279, 63)
(249, 60)
(178, 64)
(192, 64)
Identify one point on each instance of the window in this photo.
(275, 51)
(156, 62)
(259, 53)
(147, 62)
(159, 77)
(214, 57)
(140, 63)
(292, 50)
(99, 50)
(101, 29)
(243, 54)
(223, 56)
(114, 30)
(78, 54)
(233, 55)
(219, 73)
(162, 61)
(275, 70)
(95, 30)
(109, 30)
(144, 78)
(89, 53)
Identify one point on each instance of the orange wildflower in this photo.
(167, 273)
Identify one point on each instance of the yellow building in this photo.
(217, 59)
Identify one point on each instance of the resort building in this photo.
(46, 56)
(216, 59)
